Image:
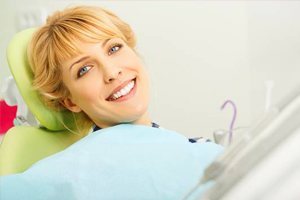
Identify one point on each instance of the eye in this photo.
(83, 70)
(114, 48)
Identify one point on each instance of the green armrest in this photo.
(22, 146)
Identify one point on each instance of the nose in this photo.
(111, 73)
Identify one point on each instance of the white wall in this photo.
(7, 29)
(274, 48)
(201, 53)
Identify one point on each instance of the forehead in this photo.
(77, 47)
(86, 49)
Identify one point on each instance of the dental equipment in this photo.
(278, 123)
(219, 135)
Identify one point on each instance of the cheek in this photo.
(144, 76)
(85, 92)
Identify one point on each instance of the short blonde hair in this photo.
(54, 42)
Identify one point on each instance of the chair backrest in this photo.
(22, 146)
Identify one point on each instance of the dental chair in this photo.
(22, 146)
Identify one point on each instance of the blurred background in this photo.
(198, 53)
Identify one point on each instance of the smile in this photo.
(123, 91)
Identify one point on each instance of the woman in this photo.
(83, 59)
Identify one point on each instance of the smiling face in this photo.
(108, 82)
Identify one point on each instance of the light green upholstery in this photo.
(20, 69)
(22, 146)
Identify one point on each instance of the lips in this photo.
(122, 90)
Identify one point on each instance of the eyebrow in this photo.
(105, 41)
(78, 61)
(86, 57)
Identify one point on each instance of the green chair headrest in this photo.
(22, 73)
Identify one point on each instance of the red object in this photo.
(7, 116)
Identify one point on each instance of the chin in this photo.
(138, 113)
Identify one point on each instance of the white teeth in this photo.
(115, 96)
(123, 91)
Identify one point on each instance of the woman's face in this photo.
(108, 82)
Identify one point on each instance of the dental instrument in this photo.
(278, 124)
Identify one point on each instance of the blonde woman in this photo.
(83, 60)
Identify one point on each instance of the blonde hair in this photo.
(54, 42)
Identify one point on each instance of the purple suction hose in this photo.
(233, 118)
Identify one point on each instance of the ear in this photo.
(68, 103)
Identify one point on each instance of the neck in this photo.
(143, 120)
